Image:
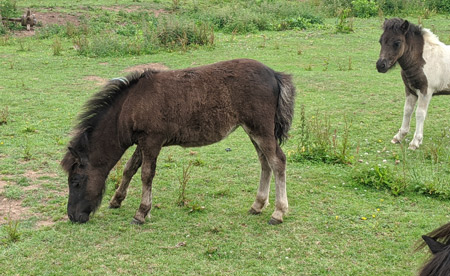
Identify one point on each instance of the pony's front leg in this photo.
(421, 114)
(408, 109)
(130, 170)
(149, 157)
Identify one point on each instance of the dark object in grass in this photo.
(190, 107)
(28, 20)
(439, 243)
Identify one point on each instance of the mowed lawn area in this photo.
(358, 204)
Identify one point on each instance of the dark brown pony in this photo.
(191, 107)
(425, 63)
(439, 243)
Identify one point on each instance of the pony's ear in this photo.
(405, 27)
(434, 245)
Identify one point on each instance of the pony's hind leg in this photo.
(130, 170)
(262, 196)
(277, 162)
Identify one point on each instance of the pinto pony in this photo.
(439, 263)
(425, 63)
(191, 107)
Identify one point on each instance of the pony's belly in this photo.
(199, 137)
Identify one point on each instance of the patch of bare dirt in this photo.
(36, 175)
(50, 18)
(59, 18)
(98, 80)
(2, 185)
(13, 210)
(143, 67)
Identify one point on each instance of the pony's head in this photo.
(438, 242)
(85, 185)
(393, 43)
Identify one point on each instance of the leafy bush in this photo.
(301, 22)
(8, 9)
(442, 6)
(249, 16)
(179, 33)
(380, 177)
(364, 8)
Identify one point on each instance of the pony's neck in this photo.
(105, 148)
(412, 58)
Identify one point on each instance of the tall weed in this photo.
(318, 142)
(429, 172)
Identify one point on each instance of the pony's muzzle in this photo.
(80, 218)
(77, 216)
(382, 65)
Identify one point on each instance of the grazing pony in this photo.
(191, 107)
(439, 263)
(425, 63)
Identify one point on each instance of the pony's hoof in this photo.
(395, 141)
(114, 206)
(136, 222)
(253, 212)
(274, 221)
(413, 147)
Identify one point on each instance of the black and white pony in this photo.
(425, 63)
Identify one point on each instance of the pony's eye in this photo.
(397, 44)
(75, 180)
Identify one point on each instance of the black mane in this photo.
(96, 107)
(394, 25)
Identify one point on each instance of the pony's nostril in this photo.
(71, 217)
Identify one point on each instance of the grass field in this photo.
(335, 226)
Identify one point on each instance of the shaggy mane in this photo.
(96, 107)
(394, 25)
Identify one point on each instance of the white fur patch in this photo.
(437, 62)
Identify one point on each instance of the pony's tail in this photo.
(285, 108)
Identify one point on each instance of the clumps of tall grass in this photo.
(424, 171)
(249, 16)
(429, 171)
(320, 142)
(12, 232)
(149, 36)
(183, 181)
(380, 177)
(4, 115)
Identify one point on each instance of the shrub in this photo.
(364, 8)
(179, 33)
(8, 9)
(380, 177)
(442, 6)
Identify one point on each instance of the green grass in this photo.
(324, 233)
